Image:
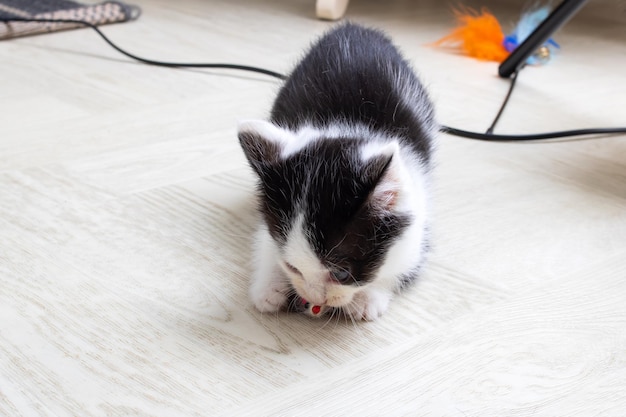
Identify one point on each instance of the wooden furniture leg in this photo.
(330, 9)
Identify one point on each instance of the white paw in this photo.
(368, 305)
(269, 298)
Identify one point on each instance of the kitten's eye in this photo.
(293, 268)
(341, 275)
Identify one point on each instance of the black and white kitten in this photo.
(344, 169)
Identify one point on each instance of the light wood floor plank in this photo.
(534, 354)
(127, 212)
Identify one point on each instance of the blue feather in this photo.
(528, 23)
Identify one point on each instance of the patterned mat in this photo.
(97, 14)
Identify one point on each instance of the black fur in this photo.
(349, 76)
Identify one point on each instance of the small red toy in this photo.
(313, 310)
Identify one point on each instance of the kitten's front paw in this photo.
(368, 305)
(270, 298)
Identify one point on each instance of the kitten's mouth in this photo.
(314, 309)
(299, 304)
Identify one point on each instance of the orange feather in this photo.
(477, 35)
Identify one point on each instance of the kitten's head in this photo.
(331, 204)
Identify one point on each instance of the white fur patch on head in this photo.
(306, 272)
(300, 139)
(265, 130)
(375, 149)
(289, 142)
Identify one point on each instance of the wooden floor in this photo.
(126, 213)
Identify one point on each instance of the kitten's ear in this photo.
(383, 166)
(262, 142)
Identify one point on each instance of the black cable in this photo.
(536, 136)
(504, 103)
(488, 136)
(145, 60)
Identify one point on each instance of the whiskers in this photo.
(293, 301)
(336, 320)
(352, 313)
